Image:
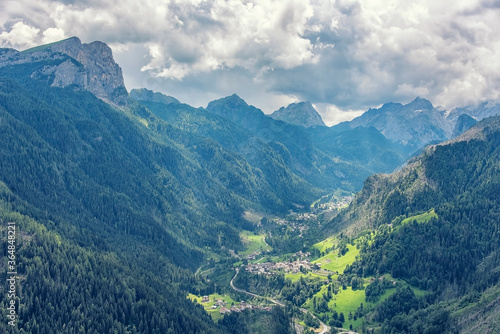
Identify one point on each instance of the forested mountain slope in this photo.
(203, 130)
(426, 181)
(329, 160)
(64, 286)
(452, 249)
(121, 206)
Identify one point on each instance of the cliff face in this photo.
(89, 67)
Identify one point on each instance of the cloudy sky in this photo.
(344, 56)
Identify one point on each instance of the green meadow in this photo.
(214, 313)
(253, 243)
(310, 275)
(422, 218)
(333, 262)
(325, 244)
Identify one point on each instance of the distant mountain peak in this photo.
(90, 67)
(420, 104)
(413, 125)
(144, 94)
(301, 113)
(235, 101)
(236, 110)
(478, 112)
(464, 123)
(389, 105)
(232, 102)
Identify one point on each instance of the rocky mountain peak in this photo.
(236, 110)
(389, 105)
(478, 112)
(302, 113)
(89, 55)
(234, 101)
(89, 67)
(229, 104)
(464, 123)
(420, 104)
(413, 125)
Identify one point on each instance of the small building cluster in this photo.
(335, 203)
(301, 255)
(269, 268)
(293, 224)
(255, 254)
(305, 216)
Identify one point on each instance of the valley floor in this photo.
(262, 278)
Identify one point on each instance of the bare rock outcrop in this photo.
(89, 67)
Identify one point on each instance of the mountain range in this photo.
(419, 123)
(120, 197)
(248, 132)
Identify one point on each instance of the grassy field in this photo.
(214, 313)
(345, 301)
(349, 300)
(332, 262)
(422, 218)
(327, 243)
(418, 292)
(253, 242)
(282, 257)
(296, 277)
(252, 216)
(213, 298)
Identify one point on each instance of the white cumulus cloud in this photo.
(20, 35)
(346, 54)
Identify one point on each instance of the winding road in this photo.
(324, 329)
(252, 294)
(198, 271)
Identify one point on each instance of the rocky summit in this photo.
(414, 125)
(302, 113)
(419, 123)
(88, 67)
